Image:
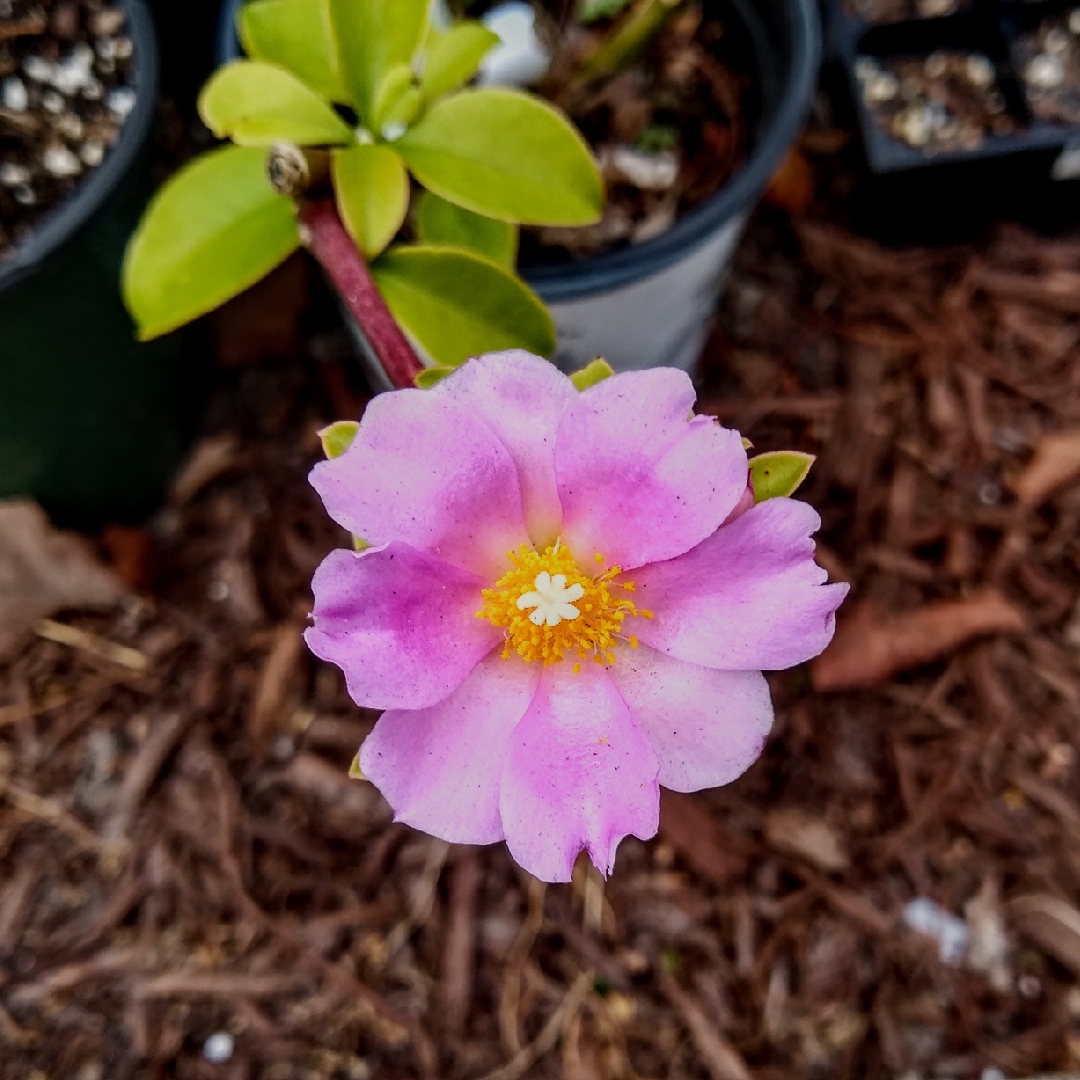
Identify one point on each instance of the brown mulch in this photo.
(182, 853)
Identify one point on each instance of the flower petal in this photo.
(750, 597)
(522, 398)
(639, 481)
(399, 623)
(424, 470)
(707, 727)
(578, 774)
(440, 768)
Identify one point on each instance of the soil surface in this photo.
(66, 87)
(191, 886)
(669, 129)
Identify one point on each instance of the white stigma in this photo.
(552, 600)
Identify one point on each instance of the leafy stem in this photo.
(325, 237)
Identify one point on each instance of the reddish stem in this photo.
(335, 251)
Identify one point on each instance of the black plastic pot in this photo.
(652, 303)
(91, 422)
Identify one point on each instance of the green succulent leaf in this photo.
(372, 188)
(257, 104)
(398, 101)
(595, 371)
(214, 229)
(432, 376)
(440, 222)
(506, 155)
(456, 304)
(296, 35)
(453, 58)
(778, 473)
(372, 37)
(337, 437)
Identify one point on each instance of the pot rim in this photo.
(69, 216)
(785, 107)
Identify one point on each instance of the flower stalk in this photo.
(327, 240)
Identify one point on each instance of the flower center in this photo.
(548, 608)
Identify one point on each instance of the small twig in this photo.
(48, 811)
(592, 913)
(722, 1060)
(75, 638)
(31, 24)
(333, 248)
(458, 959)
(155, 750)
(422, 900)
(511, 987)
(218, 984)
(525, 1058)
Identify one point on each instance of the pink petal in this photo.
(750, 597)
(522, 399)
(707, 727)
(639, 480)
(399, 623)
(424, 470)
(440, 768)
(579, 774)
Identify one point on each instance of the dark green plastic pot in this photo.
(92, 423)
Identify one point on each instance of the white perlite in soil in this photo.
(66, 89)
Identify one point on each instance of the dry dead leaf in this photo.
(43, 571)
(803, 834)
(1052, 923)
(687, 825)
(1056, 461)
(870, 646)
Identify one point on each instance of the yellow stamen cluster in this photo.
(592, 634)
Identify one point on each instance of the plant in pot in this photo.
(91, 422)
(327, 126)
(562, 591)
(689, 106)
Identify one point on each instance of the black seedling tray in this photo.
(992, 28)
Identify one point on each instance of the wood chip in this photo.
(1055, 463)
(1052, 923)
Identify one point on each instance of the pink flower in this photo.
(523, 530)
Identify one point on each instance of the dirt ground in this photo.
(183, 857)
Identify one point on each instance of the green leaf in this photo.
(372, 190)
(214, 229)
(440, 222)
(397, 102)
(257, 104)
(778, 473)
(432, 376)
(454, 57)
(338, 437)
(596, 371)
(506, 155)
(457, 304)
(595, 10)
(355, 772)
(295, 34)
(372, 37)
